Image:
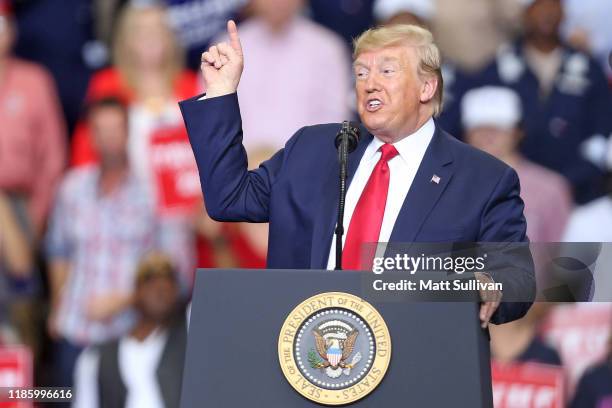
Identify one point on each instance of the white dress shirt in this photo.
(138, 362)
(403, 168)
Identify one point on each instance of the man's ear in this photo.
(428, 88)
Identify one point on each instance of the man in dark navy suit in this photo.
(409, 181)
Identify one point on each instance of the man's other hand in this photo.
(222, 64)
(490, 299)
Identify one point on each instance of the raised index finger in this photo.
(234, 39)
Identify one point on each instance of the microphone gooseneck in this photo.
(346, 142)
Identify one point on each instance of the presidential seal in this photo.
(334, 348)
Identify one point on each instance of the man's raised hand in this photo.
(222, 64)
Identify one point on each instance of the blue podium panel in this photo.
(440, 355)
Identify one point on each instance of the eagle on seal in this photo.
(334, 350)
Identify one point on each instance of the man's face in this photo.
(388, 91)
(543, 18)
(277, 12)
(495, 141)
(109, 128)
(156, 297)
(149, 39)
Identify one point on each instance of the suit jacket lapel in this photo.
(432, 177)
(327, 212)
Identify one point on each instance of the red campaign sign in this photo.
(580, 333)
(527, 385)
(174, 170)
(15, 371)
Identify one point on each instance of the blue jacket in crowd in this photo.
(567, 129)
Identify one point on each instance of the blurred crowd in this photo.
(102, 222)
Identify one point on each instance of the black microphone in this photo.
(349, 133)
(346, 142)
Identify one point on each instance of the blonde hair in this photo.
(412, 36)
(123, 59)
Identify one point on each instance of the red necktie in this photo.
(368, 215)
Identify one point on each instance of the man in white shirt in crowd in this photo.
(144, 368)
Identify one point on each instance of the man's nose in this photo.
(372, 83)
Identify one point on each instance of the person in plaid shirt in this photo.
(102, 223)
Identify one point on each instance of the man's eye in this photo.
(388, 71)
(362, 74)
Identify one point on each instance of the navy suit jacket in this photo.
(296, 191)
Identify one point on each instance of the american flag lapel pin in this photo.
(435, 179)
